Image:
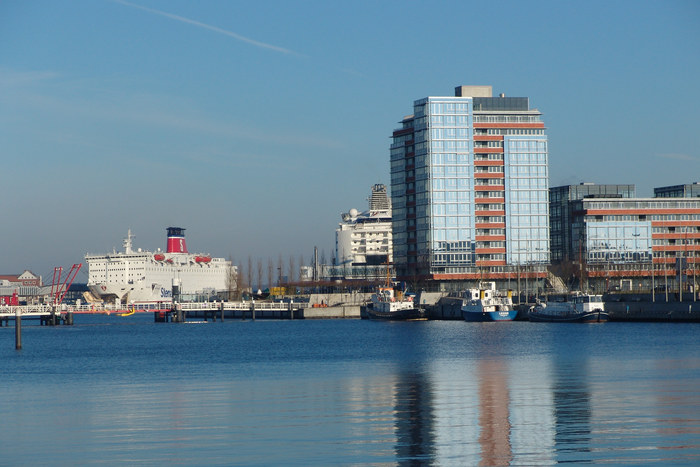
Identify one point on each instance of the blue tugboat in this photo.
(487, 304)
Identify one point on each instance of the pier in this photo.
(51, 315)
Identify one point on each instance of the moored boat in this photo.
(574, 308)
(386, 304)
(487, 304)
(141, 276)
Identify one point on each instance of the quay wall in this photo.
(654, 311)
(447, 308)
(332, 312)
(335, 299)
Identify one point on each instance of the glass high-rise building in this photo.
(469, 188)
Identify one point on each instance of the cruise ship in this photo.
(138, 276)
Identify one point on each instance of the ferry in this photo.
(139, 276)
(575, 308)
(487, 304)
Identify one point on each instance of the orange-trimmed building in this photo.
(469, 189)
(636, 243)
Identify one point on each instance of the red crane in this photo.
(58, 290)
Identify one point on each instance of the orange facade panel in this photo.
(488, 138)
(677, 223)
(489, 163)
(675, 235)
(491, 263)
(490, 238)
(489, 175)
(488, 150)
(680, 249)
(488, 251)
(489, 200)
(489, 188)
(489, 213)
(491, 225)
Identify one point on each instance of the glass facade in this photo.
(446, 150)
(527, 206)
(618, 242)
(563, 240)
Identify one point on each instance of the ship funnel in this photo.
(176, 240)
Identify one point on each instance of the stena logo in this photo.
(182, 248)
(164, 293)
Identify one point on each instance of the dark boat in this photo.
(386, 306)
(577, 308)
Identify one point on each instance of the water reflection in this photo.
(494, 419)
(572, 409)
(415, 436)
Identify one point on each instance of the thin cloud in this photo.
(680, 157)
(209, 27)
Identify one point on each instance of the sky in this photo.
(254, 125)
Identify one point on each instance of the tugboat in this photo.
(487, 304)
(577, 307)
(390, 304)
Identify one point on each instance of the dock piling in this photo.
(18, 330)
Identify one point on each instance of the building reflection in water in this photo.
(572, 410)
(415, 435)
(494, 420)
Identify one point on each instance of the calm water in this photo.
(112, 390)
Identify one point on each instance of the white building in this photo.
(363, 243)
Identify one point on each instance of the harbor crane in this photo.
(58, 289)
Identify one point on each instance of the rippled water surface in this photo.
(114, 390)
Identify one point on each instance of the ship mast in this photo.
(127, 243)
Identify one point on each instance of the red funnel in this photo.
(176, 240)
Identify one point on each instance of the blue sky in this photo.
(254, 125)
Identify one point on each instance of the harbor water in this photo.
(124, 390)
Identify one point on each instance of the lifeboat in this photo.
(169, 260)
(159, 257)
(202, 259)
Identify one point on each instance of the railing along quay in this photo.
(163, 312)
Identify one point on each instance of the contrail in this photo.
(209, 27)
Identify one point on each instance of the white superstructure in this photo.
(146, 276)
(364, 238)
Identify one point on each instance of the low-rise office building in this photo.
(633, 243)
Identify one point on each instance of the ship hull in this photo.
(130, 293)
(479, 316)
(404, 314)
(596, 316)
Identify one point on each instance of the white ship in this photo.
(145, 276)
